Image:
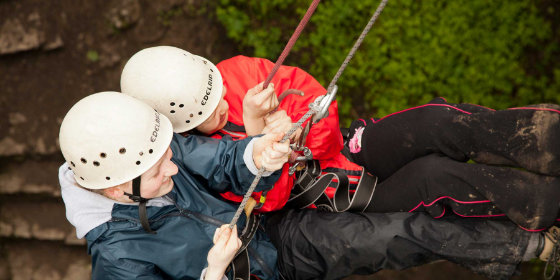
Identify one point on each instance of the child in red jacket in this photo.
(418, 155)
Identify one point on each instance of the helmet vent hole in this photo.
(83, 160)
(69, 168)
(73, 164)
(199, 113)
(172, 111)
(103, 155)
(122, 150)
(181, 105)
(187, 121)
(82, 178)
(150, 151)
(172, 104)
(138, 162)
(96, 163)
(107, 178)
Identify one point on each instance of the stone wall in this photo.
(53, 53)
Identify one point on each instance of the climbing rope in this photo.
(315, 106)
(357, 44)
(277, 65)
(292, 41)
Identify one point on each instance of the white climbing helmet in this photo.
(109, 138)
(184, 87)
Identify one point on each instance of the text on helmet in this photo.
(154, 135)
(208, 89)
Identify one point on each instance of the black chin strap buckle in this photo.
(135, 198)
(142, 212)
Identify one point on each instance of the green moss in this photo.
(92, 56)
(496, 53)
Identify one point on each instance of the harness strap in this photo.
(251, 227)
(307, 189)
(310, 190)
(241, 268)
(240, 265)
(344, 201)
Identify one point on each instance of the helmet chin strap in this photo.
(135, 196)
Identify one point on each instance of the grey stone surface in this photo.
(89, 43)
(30, 176)
(53, 53)
(30, 260)
(123, 13)
(38, 219)
(17, 36)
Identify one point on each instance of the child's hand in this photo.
(280, 122)
(258, 101)
(269, 153)
(226, 244)
(256, 104)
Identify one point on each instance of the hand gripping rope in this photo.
(319, 107)
(295, 126)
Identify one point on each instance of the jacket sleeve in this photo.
(241, 73)
(105, 267)
(203, 274)
(219, 162)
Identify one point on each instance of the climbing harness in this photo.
(309, 190)
(316, 106)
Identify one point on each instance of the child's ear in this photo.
(114, 192)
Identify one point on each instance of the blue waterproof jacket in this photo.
(185, 224)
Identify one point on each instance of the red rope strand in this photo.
(291, 42)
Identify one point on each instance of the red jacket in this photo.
(241, 73)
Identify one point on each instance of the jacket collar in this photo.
(86, 210)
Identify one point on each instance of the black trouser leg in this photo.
(320, 245)
(528, 138)
(434, 183)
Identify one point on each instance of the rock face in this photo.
(16, 37)
(53, 53)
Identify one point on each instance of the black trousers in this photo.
(420, 158)
(320, 245)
